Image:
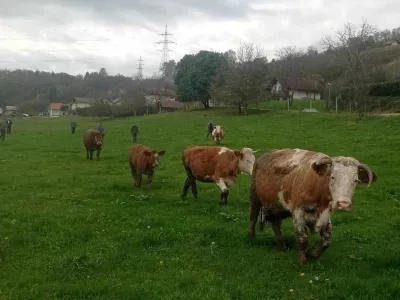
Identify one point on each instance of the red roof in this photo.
(56, 105)
(171, 104)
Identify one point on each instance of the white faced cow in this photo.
(218, 134)
(307, 186)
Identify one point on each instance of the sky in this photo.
(76, 36)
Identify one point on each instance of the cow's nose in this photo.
(344, 205)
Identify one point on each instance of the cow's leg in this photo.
(276, 227)
(139, 177)
(98, 154)
(301, 234)
(194, 188)
(91, 154)
(255, 206)
(224, 191)
(87, 153)
(186, 186)
(133, 173)
(150, 178)
(324, 243)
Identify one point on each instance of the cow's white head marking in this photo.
(344, 173)
(246, 160)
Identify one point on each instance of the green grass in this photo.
(77, 229)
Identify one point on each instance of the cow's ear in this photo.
(238, 154)
(363, 175)
(322, 169)
(147, 152)
(222, 127)
(215, 126)
(161, 153)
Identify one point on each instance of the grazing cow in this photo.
(218, 134)
(306, 186)
(93, 140)
(216, 164)
(143, 160)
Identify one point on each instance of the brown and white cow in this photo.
(218, 134)
(306, 186)
(216, 164)
(143, 160)
(93, 140)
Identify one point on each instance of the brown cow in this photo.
(216, 164)
(218, 134)
(306, 186)
(143, 160)
(93, 140)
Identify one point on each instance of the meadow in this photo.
(71, 228)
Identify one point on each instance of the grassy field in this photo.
(77, 229)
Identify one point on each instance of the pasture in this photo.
(71, 228)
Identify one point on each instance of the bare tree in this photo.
(289, 70)
(243, 78)
(349, 43)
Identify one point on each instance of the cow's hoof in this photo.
(302, 260)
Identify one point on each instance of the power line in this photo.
(67, 40)
(165, 50)
(52, 61)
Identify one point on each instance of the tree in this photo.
(195, 75)
(289, 70)
(168, 69)
(103, 72)
(349, 42)
(243, 78)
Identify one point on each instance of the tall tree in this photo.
(349, 43)
(195, 75)
(243, 78)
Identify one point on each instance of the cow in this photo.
(215, 164)
(306, 186)
(218, 134)
(143, 160)
(93, 140)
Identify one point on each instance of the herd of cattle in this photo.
(301, 184)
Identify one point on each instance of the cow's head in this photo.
(344, 174)
(98, 139)
(153, 157)
(246, 160)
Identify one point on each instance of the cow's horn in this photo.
(324, 161)
(369, 172)
(255, 151)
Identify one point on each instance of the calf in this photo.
(143, 160)
(219, 165)
(306, 186)
(218, 134)
(93, 140)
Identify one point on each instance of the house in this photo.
(167, 105)
(10, 110)
(300, 88)
(81, 102)
(55, 109)
(391, 43)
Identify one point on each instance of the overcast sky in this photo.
(76, 36)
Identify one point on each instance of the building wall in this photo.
(306, 95)
(74, 106)
(55, 112)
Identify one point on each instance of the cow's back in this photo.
(87, 139)
(200, 160)
(283, 175)
(135, 153)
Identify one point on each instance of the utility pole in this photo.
(165, 48)
(140, 69)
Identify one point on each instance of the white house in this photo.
(301, 88)
(81, 102)
(55, 109)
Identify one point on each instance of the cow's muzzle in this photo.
(343, 205)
